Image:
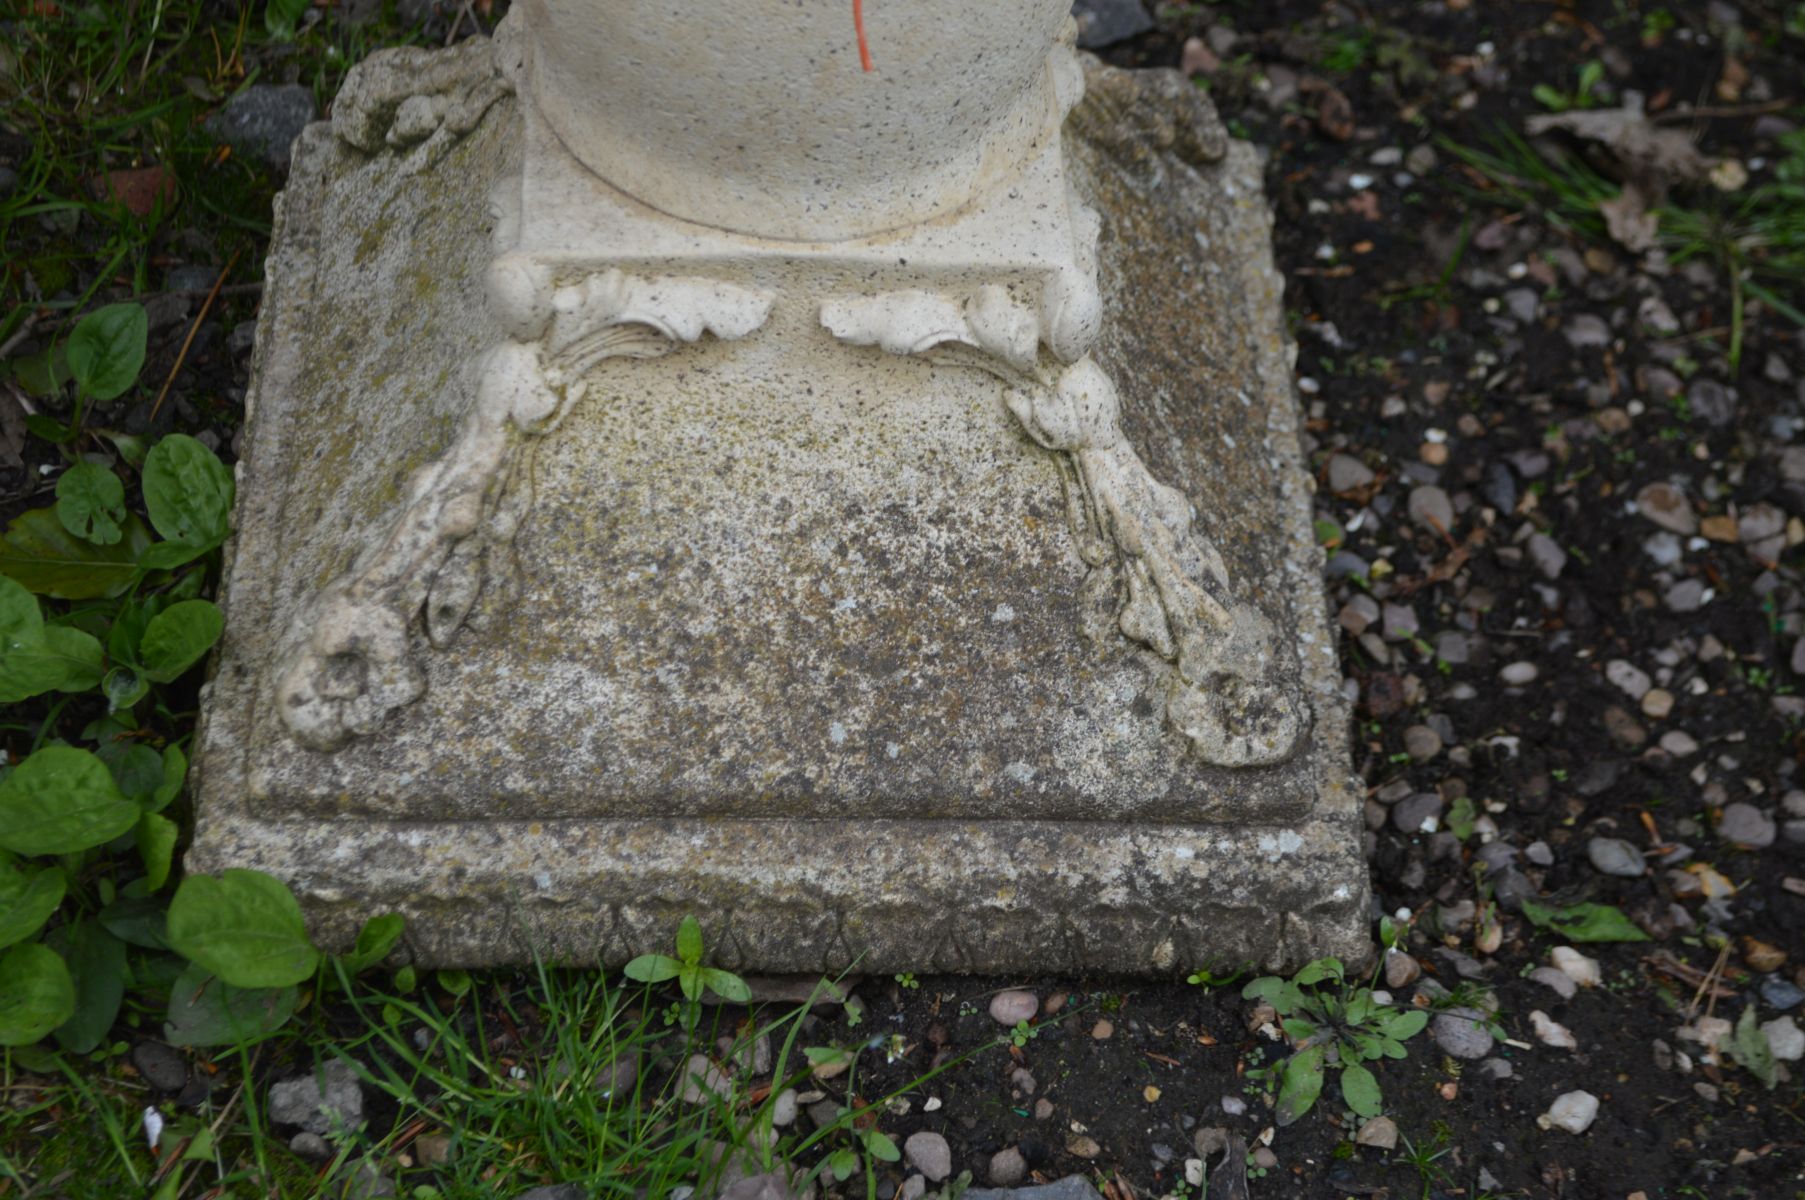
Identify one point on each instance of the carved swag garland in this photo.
(1231, 690)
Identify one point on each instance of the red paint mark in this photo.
(858, 27)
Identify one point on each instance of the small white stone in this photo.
(1519, 673)
(1575, 966)
(1784, 1038)
(1573, 1111)
(1552, 1032)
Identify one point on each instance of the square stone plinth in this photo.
(800, 642)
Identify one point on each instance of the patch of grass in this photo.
(1755, 238)
(483, 1085)
(1564, 190)
(91, 89)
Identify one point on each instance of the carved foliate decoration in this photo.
(1232, 689)
(1229, 689)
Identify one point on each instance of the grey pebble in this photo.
(929, 1153)
(1546, 555)
(264, 120)
(1614, 856)
(1686, 596)
(1421, 813)
(1781, 994)
(1664, 548)
(1712, 401)
(310, 1146)
(1422, 743)
(1430, 507)
(319, 1102)
(770, 1185)
(1462, 1033)
(1746, 825)
(163, 1067)
(1072, 1187)
(1007, 1167)
(1347, 473)
(1013, 1007)
(1587, 329)
(1628, 678)
(1106, 22)
(1518, 674)
(1523, 304)
(1398, 621)
(1557, 979)
(1496, 1068)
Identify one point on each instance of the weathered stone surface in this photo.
(813, 655)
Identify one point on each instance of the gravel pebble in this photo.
(1012, 1007)
(1430, 507)
(1628, 678)
(1401, 970)
(1746, 825)
(1421, 813)
(1347, 473)
(1686, 596)
(928, 1153)
(319, 1102)
(1398, 622)
(1679, 743)
(264, 120)
(1379, 1132)
(1657, 704)
(1781, 994)
(1422, 743)
(1667, 506)
(1462, 1033)
(1586, 329)
(1551, 1032)
(1572, 1111)
(1614, 856)
(1546, 555)
(1518, 674)
(1578, 967)
(1007, 1167)
(163, 1067)
(1784, 1038)
(1559, 980)
(703, 1082)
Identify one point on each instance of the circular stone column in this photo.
(755, 115)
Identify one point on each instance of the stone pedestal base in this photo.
(836, 643)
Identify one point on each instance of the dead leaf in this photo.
(1650, 157)
(1627, 218)
(1334, 114)
(1228, 1181)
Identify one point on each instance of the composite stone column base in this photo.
(944, 600)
